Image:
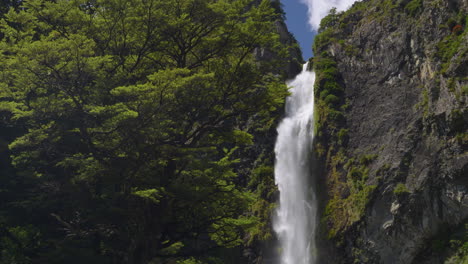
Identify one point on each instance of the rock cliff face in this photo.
(392, 132)
(293, 65)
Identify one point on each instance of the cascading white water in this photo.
(295, 218)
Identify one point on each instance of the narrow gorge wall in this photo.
(392, 140)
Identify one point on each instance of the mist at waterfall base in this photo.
(294, 221)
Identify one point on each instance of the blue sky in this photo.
(297, 21)
(303, 18)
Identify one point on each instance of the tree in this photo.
(134, 114)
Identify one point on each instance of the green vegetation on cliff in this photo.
(391, 129)
(349, 191)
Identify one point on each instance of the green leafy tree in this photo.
(133, 116)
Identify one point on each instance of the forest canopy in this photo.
(129, 128)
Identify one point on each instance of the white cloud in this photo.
(318, 9)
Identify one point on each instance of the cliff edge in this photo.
(391, 146)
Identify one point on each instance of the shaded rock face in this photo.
(407, 106)
(293, 65)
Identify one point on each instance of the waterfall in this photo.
(294, 221)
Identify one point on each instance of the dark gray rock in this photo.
(404, 108)
(293, 65)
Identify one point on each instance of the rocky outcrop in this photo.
(396, 160)
(293, 66)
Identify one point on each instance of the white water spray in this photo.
(295, 218)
